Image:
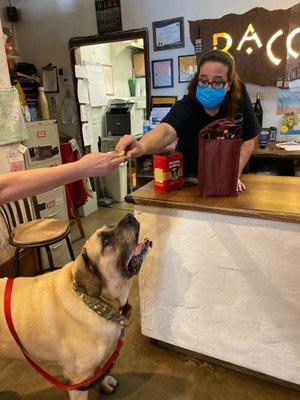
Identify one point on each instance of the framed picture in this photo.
(187, 67)
(162, 101)
(162, 73)
(168, 34)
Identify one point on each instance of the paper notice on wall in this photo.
(22, 149)
(16, 160)
(85, 112)
(83, 91)
(93, 70)
(59, 201)
(14, 156)
(96, 115)
(87, 134)
(96, 83)
(97, 92)
(80, 71)
(108, 79)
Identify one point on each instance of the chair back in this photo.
(19, 211)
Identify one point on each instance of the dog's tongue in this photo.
(138, 249)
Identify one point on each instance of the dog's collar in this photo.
(120, 316)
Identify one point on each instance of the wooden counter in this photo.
(268, 197)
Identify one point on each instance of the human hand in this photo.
(100, 164)
(240, 187)
(131, 146)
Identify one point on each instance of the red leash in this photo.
(7, 312)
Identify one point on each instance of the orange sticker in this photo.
(41, 134)
(51, 204)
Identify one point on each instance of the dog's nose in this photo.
(128, 218)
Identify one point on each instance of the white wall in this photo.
(43, 34)
(46, 26)
(137, 13)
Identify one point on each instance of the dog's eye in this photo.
(105, 238)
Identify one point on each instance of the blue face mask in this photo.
(210, 97)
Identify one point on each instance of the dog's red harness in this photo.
(84, 385)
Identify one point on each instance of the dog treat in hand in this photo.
(122, 154)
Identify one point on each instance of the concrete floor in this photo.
(144, 371)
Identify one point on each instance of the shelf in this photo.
(13, 57)
(145, 176)
(135, 45)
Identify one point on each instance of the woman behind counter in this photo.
(215, 92)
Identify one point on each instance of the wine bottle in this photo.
(258, 109)
(43, 104)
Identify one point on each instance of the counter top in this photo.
(272, 151)
(267, 197)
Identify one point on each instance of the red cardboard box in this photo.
(168, 172)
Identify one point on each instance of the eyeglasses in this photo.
(203, 83)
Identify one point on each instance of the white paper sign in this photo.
(93, 70)
(97, 92)
(15, 156)
(83, 91)
(83, 113)
(87, 134)
(96, 115)
(22, 149)
(59, 201)
(80, 71)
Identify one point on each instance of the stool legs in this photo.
(50, 258)
(39, 259)
(70, 248)
(17, 257)
(79, 223)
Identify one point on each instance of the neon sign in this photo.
(251, 37)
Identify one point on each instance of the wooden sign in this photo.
(259, 41)
(108, 13)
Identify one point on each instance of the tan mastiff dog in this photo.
(55, 324)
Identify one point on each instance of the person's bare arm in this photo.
(246, 151)
(158, 139)
(161, 137)
(17, 185)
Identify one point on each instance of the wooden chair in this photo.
(26, 232)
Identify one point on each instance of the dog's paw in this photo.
(108, 384)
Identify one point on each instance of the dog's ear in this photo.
(87, 276)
